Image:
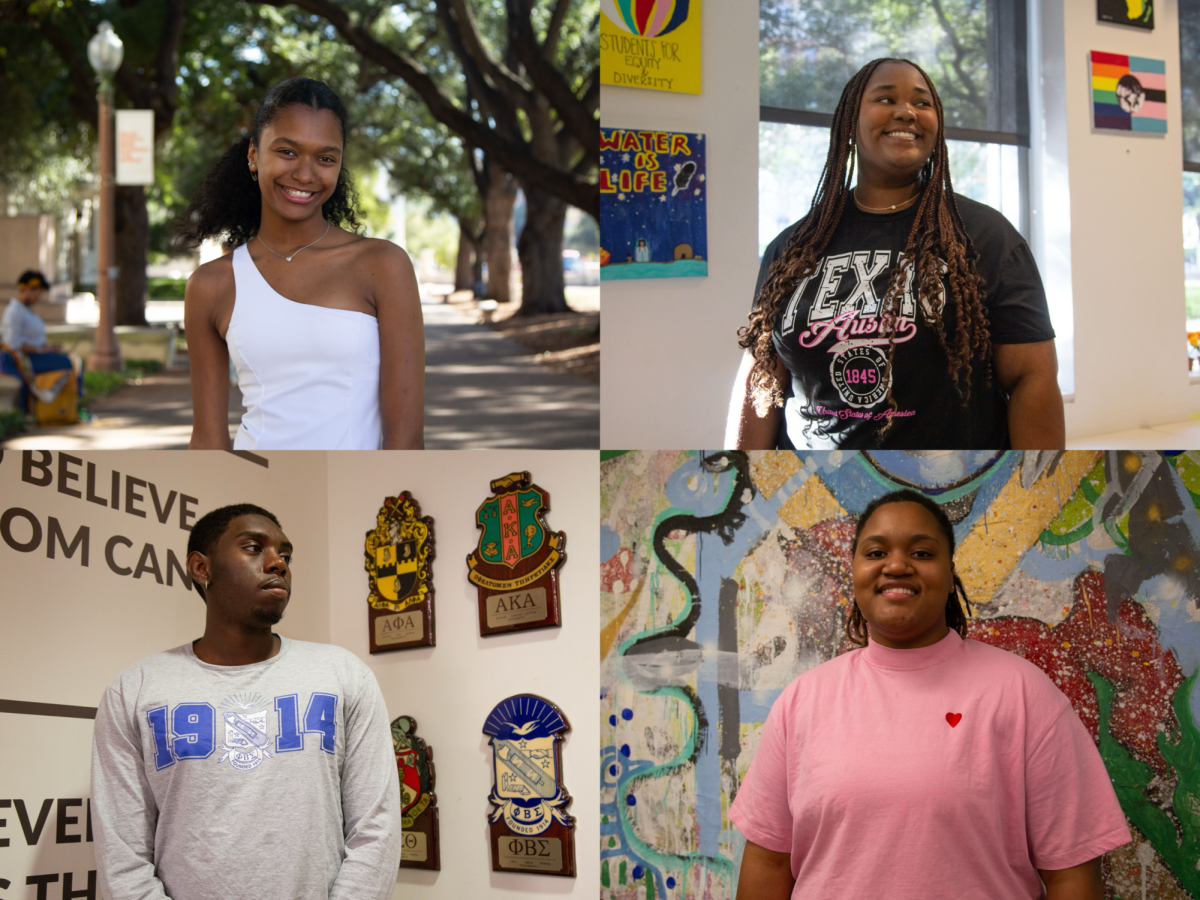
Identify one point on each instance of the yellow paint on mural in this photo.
(1100, 83)
(651, 44)
(608, 634)
(769, 469)
(1014, 521)
(812, 503)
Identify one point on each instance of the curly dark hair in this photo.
(209, 528)
(856, 625)
(938, 235)
(228, 202)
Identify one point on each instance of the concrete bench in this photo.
(135, 342)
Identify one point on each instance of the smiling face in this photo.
(249, 572)
(298, 158)
(897, 125)
(903, 575)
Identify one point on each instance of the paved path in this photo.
(481, 391)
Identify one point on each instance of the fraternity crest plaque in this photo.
(418, 803)
(529, 828)
(515, 565)
(398, 556)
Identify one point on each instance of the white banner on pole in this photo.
(135, 146)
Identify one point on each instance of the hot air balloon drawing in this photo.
(646, 18)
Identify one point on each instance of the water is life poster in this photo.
(653, 202)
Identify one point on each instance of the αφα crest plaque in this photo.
(399, 553)
(529, 828)
(515, 566)
(418, 803)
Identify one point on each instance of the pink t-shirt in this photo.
(951, 771)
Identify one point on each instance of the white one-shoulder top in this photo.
(309, 375)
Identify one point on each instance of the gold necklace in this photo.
(891, 208)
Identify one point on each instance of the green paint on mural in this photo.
(612, 842)
(1178, 848)
(1187, 467)
(1074, 523)
(606, 455)
(604, 873)
(621, 873)
(649, 887)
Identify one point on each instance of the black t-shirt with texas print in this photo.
(828, 336)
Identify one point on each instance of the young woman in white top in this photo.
(323, 325)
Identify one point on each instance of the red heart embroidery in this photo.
(953, 718)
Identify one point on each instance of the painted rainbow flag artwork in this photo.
(1129, 93)
(646, 18)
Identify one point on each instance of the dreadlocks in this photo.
(956, 620)
(938, 236)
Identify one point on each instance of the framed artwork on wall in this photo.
(1138, 13)
(1129, 92)
(653, 204)
(651, 44)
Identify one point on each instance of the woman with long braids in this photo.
(896, 313)
(922, 765)
(323, 325)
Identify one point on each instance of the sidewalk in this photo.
(481, 391)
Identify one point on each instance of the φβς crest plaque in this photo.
(399, 553)
(515, 565)
(529, 828)
(419, 847)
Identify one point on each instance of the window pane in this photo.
(1189, 74)
(1191, 262)
(810, 48)
(791, 157)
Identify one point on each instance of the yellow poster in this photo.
(653, 44)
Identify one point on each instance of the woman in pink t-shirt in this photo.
(922, 766)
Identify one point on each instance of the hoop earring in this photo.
(253, 172)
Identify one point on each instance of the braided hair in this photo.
(229, 201)
(938, 237)
(856, 625)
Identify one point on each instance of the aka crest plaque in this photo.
(529, 828)
(515, 565)
(418, 803)
(398, 556)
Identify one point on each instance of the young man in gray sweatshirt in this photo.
(245, 764)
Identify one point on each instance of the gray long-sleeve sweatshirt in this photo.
(272, 781)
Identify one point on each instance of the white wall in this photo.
(66, 630)
(1106, 231)
(671, 344)
(450, 689)
(1126, 239)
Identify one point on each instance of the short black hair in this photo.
(30, 274)
(208, 530)
(856, 625)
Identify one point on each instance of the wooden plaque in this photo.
(419, 848)
(529, 829)
(515, 565)
(398, 559)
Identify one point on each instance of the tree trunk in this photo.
(498, 210)
(477, 266)
(467, 253)
(133, 234)
(540, 250)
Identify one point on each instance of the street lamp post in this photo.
(104, 53)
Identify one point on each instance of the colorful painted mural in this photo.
(725, 575)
